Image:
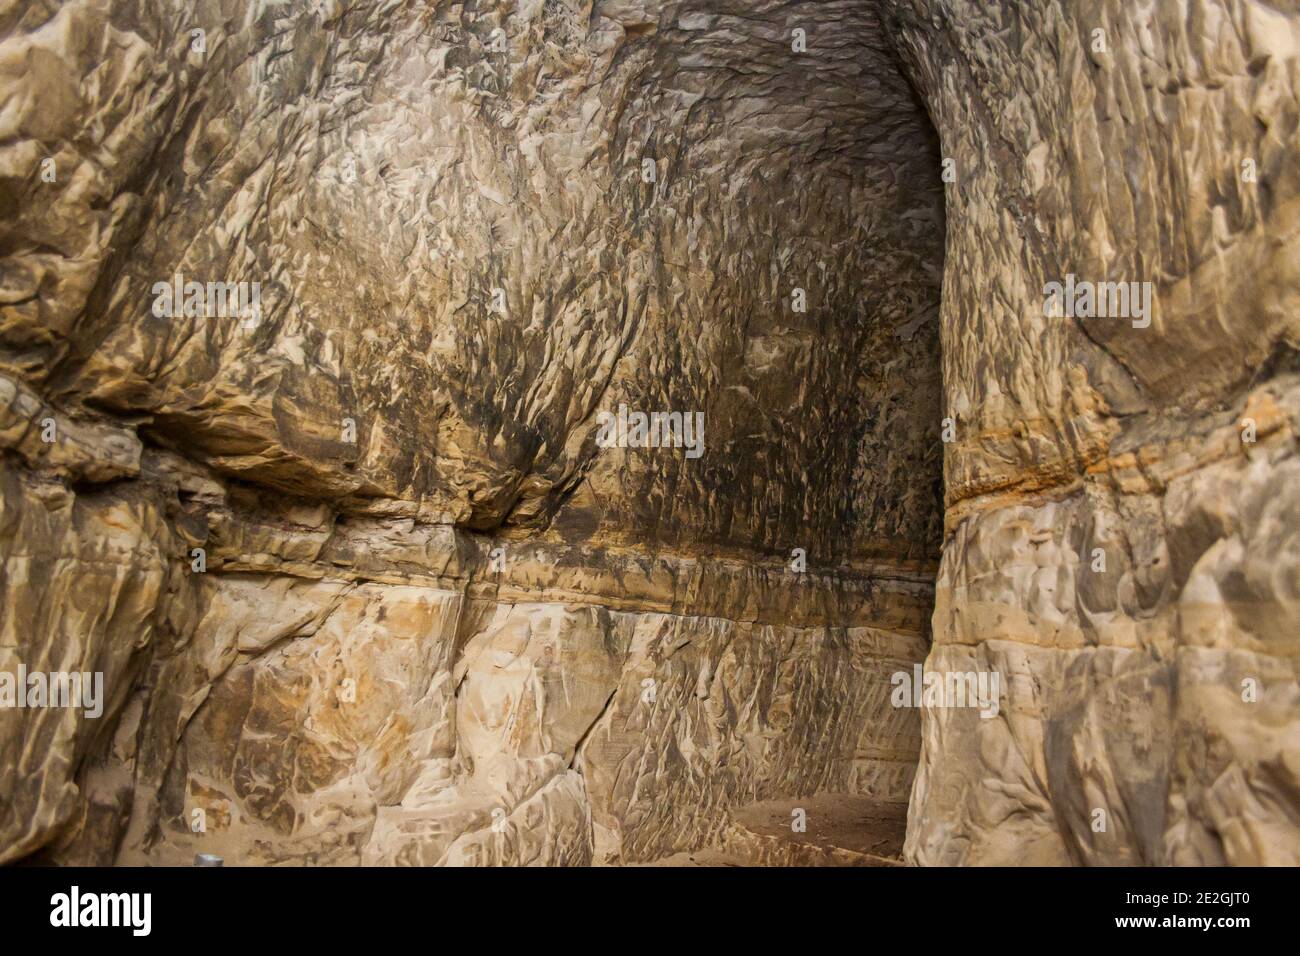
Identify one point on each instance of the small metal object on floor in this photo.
(208, 859)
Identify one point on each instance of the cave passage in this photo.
(383, 583)
(370, 578)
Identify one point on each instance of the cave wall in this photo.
(1157, 682)
(435, 621)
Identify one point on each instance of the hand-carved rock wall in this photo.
(1121, 495)
(362, 583)
(432, 619)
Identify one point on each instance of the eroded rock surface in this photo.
(365, 588)
(435, 621)
(1121, 497)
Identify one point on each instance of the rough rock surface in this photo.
(1157, 684)
(475, 227)
(365, 588)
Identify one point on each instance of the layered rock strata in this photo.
(363, 584)
(1122, 542)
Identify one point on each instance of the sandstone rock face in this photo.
(1120, 498)
(363, 578)
(436, 621)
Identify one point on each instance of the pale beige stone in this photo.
(364, 587)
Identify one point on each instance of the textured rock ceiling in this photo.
(437, 623)
(519, 171)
